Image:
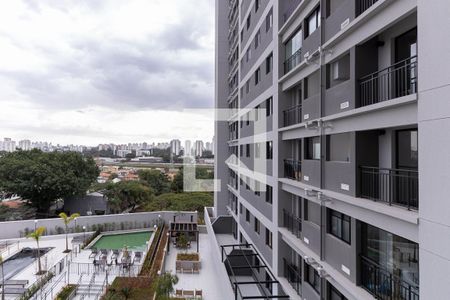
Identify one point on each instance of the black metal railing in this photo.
(363, 5)
(292, 223)
(292, 61)
(384, 285)
(393, 186)
(395, 81)
(293, 275)
(293, 169)
(292, 115)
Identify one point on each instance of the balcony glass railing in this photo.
(384, 284)
(293, 275)
(293, 169)
(292, 115)
(393, 186)
(363, 5)
(293, 61)
(292, 223)
(392, 82)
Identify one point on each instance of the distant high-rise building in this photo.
(9, 145)
(175, 147)
(187, 148)
(198, 149)
(213, 143)
(25, 145)
(208, 146)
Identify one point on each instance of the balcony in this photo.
(292, 169)
(395, 81)
(293, 275)
(393, 186)
(385, 285)
(292, 61)
(292, 223)
(363, 5)
(292, 115)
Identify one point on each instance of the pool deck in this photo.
(207, 280)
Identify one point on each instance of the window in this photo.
(257, 226)
(257, 4)
(312, 22)
(293, 44)
(269, 63)
(247, 215)
(269, 150)
(269, 20)
(247, 87)
(257, 112)
(242, 122)
(334, 294)
(242, 35)
(312, 148)
(248, 118)
(240, 208)
(305, 210)
(247, 150)
(241, 182)
(269, 194)
(257, 150)
(249, 20)
(257, 76)
(269, 238)
(268, 282)
(257, 188)
(257, 38)
(241, 150)
(339, 225)
(247, 183)
(312, 277)
(269, 107)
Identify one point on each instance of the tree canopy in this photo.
(181, 202)
(156, 179)
(178, 180)
(42, 178)
(128, 194)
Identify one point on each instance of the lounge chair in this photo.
(137, 256)
(198, 294)
(115, 254)
(94, 253)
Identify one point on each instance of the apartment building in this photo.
(355, 95)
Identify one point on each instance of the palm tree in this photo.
(66, 219)
(36, 235)
(3, 279)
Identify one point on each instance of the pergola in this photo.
(179, 227)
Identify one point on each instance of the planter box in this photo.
(187, 266)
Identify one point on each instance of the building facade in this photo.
(351, 139)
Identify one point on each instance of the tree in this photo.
(164, 285)
(195, 201)
(156, 179)
(128, 194)
(36, 235)
(183, 241)
(42, 178)
(66, 219)
(177, 185)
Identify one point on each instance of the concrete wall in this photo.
(434, 145)
(17, 229)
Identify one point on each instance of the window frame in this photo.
(269, 63)
(315, 281)
(269, 194)
(257, 225)
(344, 221)
(269, 238)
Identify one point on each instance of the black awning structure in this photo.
(250, 277)
(190, 229)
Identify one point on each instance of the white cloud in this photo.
(129, 66)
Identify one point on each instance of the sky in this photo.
(90, 72)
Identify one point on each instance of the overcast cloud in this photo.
(97, 71)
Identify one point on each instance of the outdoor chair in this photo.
(94, 252)
(137, 257)
(189, 293)
(115, 254)
(178, 293)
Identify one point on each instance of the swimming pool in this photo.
(135, 241)
(20, 261)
